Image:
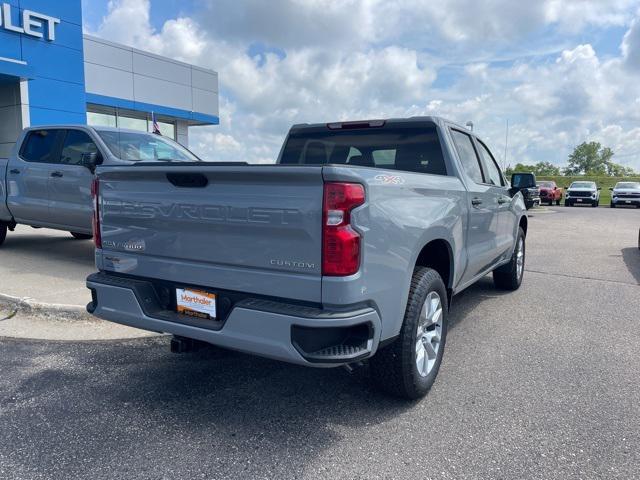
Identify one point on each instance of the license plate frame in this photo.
(196, 303)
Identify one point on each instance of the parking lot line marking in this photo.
(582, 278)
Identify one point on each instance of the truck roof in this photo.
(417, 119)
(78, 125)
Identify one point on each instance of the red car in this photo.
(550, 192)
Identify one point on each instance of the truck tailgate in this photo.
(252, 229)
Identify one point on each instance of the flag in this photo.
(156, 127)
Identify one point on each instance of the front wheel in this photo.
(612, 205)
(3, 233)
(567, 204)
(408, 367)
(558, 201)
(81, 236)
(509, 276)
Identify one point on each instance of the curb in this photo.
(27, 319)
(29, 305)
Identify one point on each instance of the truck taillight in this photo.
(340, 242)
(95, 195)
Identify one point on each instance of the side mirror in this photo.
(91, 160)
(555, 188)
(523, 180)
(610, 188)
(599, 188)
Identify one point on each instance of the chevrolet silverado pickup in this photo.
(625, 193)
(348, 250)
(47, 180)
(582, 193)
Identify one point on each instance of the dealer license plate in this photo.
(196, 303)
(627, 201)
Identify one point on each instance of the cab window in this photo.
(40, 146)
(467, 154)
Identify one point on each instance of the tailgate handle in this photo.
(188, 180)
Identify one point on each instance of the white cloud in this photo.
(323, 60)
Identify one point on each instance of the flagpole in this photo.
(506, 144)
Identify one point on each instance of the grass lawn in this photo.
(604, 182)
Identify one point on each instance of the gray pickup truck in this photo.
(47, 180)
(349, 249)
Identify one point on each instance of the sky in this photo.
(559, 72)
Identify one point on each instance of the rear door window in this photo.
(467, 154)
(41, 146)
(414, 148)
(491, 167)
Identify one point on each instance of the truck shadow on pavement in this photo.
(53, 248)
(631, 258)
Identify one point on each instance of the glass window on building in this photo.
(101, 116)
(132, 123)
(98, 119)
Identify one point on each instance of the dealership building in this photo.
(51, 73)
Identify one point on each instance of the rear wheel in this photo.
(509, 276)
(81, 236)
(408, 367)
(3, 233)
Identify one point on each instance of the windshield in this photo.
(145, 147)
(582, 185)
(628, 185)
(546, 184)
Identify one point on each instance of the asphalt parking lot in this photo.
(540, 383)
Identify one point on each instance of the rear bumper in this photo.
(286, 332)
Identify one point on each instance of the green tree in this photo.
(615, 170)
(540, 169)
(589, 159)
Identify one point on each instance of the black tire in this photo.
(594, 204)
(3, 233)
(567, 204)
(507, 276)
(394, 368)
(558, 202)
(612, 205)
(81, 236)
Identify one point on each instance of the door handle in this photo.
(15, 171)
(476, 202)
(502, 200)
(57, 174)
